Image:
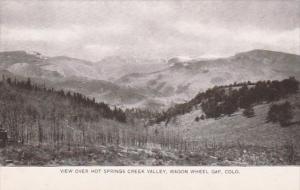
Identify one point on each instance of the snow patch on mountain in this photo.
(17, 67)
(36, 54)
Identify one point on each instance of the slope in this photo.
(182, 80)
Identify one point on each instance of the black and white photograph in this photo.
(149, 83)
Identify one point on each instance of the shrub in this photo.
(249, 112)
(281, 113)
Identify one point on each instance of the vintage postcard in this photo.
(149, 94)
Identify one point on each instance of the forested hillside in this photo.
(36, 115)
(46, 126)
(225, 100)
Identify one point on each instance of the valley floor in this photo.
(230, 155)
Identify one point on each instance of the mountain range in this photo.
(148, 83)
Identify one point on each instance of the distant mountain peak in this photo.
(263, 52)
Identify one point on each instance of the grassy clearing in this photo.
(229, 130)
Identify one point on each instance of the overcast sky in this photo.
(156, 29)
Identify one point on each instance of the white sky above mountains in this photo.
(155, 29)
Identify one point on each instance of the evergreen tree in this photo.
(281, 113)
(249, 112)
(28, 83)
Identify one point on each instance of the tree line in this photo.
(40, 116)
(225, 100)
(37, 115)
(33, 114)
(75, 98)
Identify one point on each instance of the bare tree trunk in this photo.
(40, 131)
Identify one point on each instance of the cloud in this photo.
(249, 37)
(49, 35)
(100, 50)
(94, 29)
